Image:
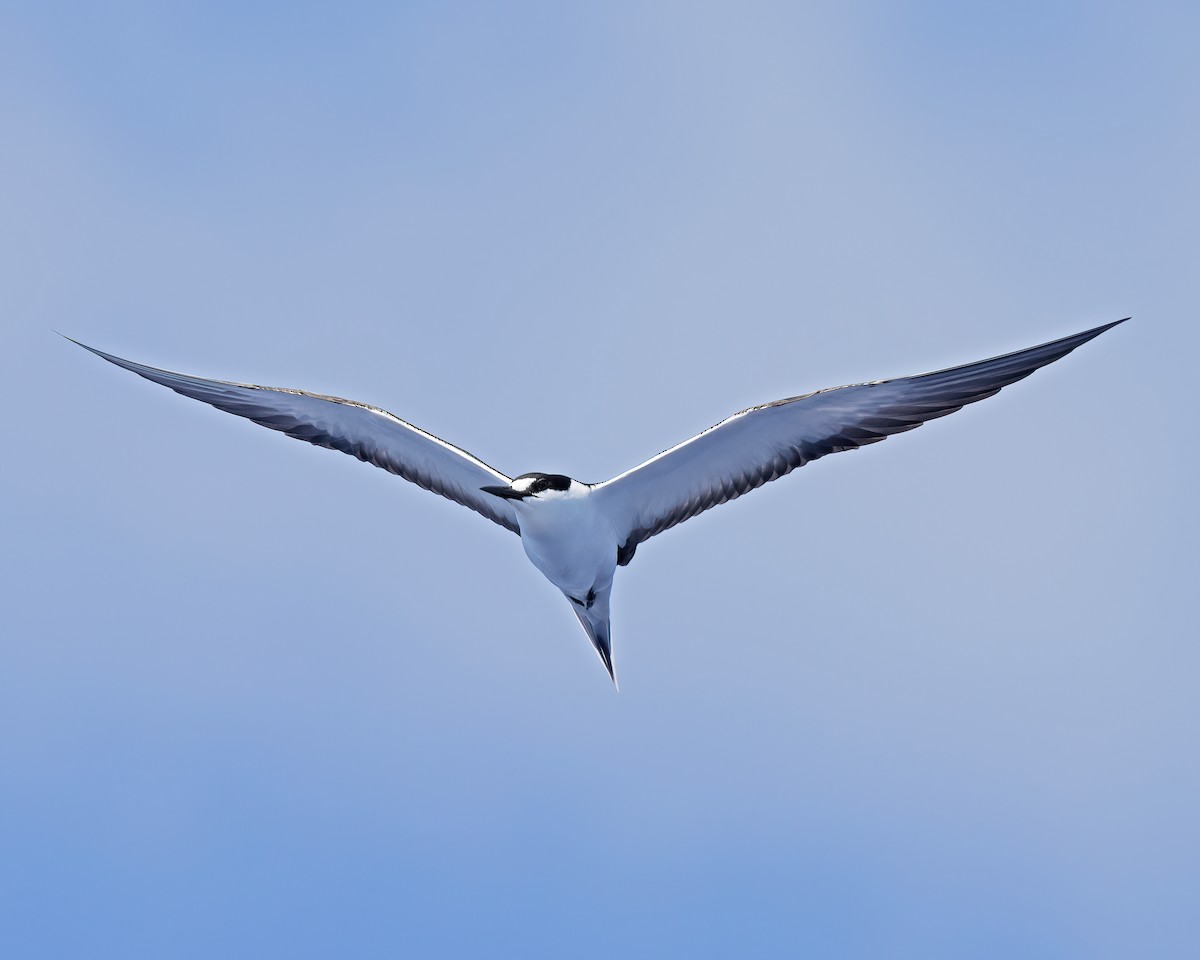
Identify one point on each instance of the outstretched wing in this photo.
(363, 431)
(766, 442)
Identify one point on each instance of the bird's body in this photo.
(571, 541)
(577, 533)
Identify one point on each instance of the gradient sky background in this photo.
(934, 699)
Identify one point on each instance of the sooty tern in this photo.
(576, 533)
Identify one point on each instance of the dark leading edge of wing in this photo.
(766, 442)
(368, 433)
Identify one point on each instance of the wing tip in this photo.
(1096, 331)
(71, 339)
(100, 353)
(1079, 339)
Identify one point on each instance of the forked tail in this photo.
(595, 623)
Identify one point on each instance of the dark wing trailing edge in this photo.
(369, 433)
(766, 442)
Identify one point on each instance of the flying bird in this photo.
(577, 533)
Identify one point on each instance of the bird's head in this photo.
(536, 486)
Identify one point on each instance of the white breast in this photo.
(570, 541)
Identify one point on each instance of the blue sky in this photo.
(933, 699)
